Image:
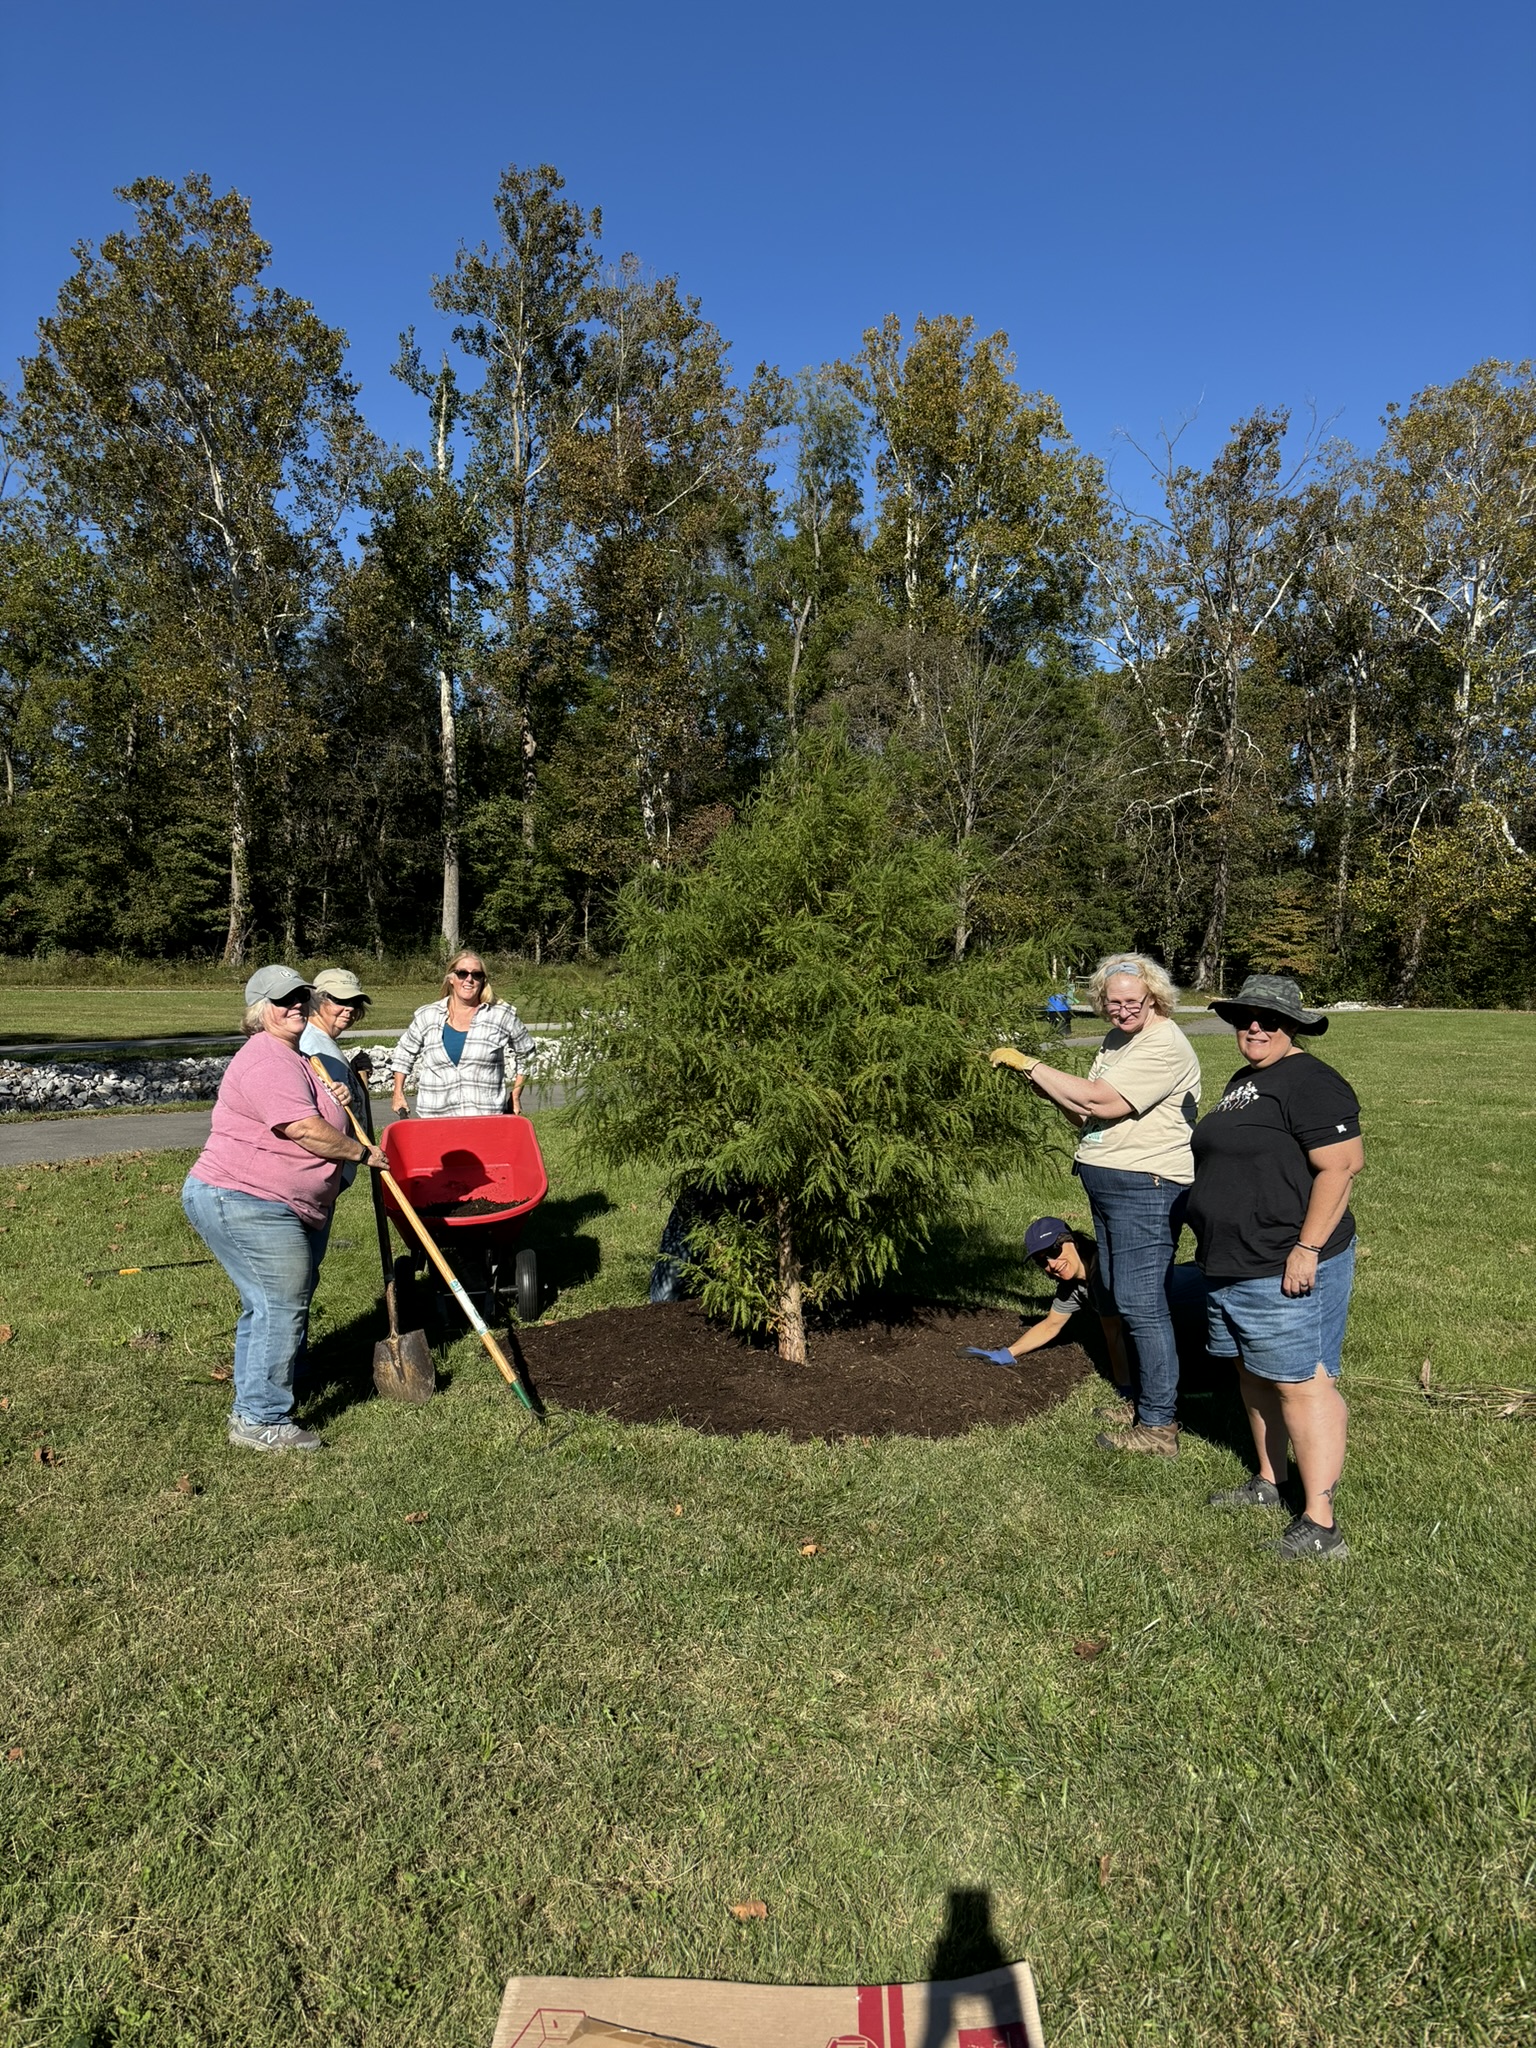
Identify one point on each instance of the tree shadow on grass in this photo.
(568, 1256)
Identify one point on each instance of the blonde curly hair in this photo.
(1152, 976)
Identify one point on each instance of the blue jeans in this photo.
(1137, 1219)
(274, 1260)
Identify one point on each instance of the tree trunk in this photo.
(791, 1299)
(1347, 824)
(450, 743)
(237, 934)
(1408, 971)
(1213, 946)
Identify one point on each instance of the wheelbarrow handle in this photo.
(429, 1246)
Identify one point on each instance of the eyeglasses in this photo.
(1262, 1020)
(466, 974)
(1130, 1009)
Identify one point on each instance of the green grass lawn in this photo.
(285, 1766)
(31, 1013)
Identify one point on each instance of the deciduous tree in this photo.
(193, 424)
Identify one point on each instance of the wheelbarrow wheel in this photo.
(528, 1287)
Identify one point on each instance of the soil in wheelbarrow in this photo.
(480, 1206)
(900, 1373)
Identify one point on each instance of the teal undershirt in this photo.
(453, 1043)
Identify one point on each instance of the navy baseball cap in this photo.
(1044, 1235)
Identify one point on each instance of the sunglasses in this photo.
(1262, 1020)
(294, 1002)
(1053, 1251)
(466, 974)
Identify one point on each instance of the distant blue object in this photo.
(992, 1357)
(1058, 1010)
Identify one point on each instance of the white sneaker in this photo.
(271, 1436)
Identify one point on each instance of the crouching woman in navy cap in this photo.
(1071, 1258)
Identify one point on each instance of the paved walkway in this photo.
(86, 1136)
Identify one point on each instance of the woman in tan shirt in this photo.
(1135, 1112)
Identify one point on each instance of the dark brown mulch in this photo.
(480, 1206)
(898, 1376)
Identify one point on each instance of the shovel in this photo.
(456, 1286)
(402, 1365)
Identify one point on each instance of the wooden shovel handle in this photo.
(429, 1246)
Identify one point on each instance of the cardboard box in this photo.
(996, 2010)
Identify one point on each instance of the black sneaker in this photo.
(1305, 1539)
(1254, 1493)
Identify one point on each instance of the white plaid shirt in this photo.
(479, 1084)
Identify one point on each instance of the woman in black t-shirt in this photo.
(1274, 1162)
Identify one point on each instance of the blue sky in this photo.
(1167, 207)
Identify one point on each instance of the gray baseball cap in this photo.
(272, 984)
(340, 984)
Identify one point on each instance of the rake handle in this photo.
(430, 1247)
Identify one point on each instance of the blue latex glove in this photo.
(992, 1357)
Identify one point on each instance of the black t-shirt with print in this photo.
(1252, 1177)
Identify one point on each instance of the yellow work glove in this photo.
(1010, 1056)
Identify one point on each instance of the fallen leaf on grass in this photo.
(187, 1484)
(10, 1204)
(677, 1507)
(45, 1455)
(1089, 1647)
(220, 1372)
(15, 1754)
(1104, 1862)
(148, 1340)
(5, 1401)
(808, 1550)
(750, 1909)
(1424, 1375)
(420, 1515)
(6, 1333)
(165, 1187)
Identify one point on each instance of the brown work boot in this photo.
(1158, 1440)
(1120, 1409)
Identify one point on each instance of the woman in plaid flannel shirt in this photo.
(460, 1046)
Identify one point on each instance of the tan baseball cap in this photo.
(340, 984)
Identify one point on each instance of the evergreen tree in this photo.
(789, 1030)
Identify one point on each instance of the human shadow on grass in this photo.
(968, 1947)
(338, 1371)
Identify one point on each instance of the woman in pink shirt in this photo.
(260, 1196)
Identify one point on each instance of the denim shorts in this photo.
(1283, 1336)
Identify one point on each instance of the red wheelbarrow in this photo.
(473, 1180)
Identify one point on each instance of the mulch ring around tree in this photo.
(898, 1374)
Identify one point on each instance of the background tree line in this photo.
(268, 683)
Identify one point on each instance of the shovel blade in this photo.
(403, 1369)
